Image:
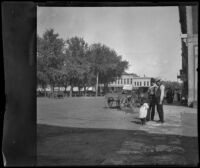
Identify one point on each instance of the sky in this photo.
(149, 38)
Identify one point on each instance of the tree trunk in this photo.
(45, 92)
(105, 88)
(53, 88)
(85, 90)
(71, 90)
(97, 83)
(65, 90)
(79, 91)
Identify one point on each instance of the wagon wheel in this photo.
(118, 103)
(110, 102)
(128, 101)
(132, 103)
(122, 102)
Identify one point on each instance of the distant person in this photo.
(152, 100)
(179, 96)
(175, 96)
(160, 92)
(169, 96)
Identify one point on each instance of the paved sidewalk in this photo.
(178, 121)
(171, 151)
(166, 151)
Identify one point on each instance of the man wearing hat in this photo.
(152, 100)
(160, 92)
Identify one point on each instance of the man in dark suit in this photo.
(152, 100)
(160, 92)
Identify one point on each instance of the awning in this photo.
(68, 88)
(91, 88)
(48, 89)
(62, 88)
(75, 89)
(40, 89)
(56, 88)
(127, 87)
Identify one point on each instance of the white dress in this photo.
(143, 110)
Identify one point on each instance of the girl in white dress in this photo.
(143, 113)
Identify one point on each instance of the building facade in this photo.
(129, 79)
(188, 73)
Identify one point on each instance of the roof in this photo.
(133, 74)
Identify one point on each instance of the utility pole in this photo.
(97, 81)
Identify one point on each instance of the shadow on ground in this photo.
(59, 146)
(136, 122)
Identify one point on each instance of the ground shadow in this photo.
(113, 107)
(59, 146)
(137, 122)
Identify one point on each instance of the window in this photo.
(118, 81)
(144, 83)
(127, 81)
(121, 81)
(124, 81)
(131, 81)
(147, 83)
(140, 83)
(137, 83)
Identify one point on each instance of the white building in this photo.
(129, 79)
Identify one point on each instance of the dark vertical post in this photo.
(97, 84)
(19, 50)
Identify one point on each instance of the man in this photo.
(152, 100)
(160, 92)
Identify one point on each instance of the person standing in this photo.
(152, 100)
(160, 92)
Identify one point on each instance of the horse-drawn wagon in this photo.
(129, 97)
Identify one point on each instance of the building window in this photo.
(137, 83)
(147, 83)
(144, 83)
(127, 80)
(118, 81)
(121, 81)
(131, 81)
(140, 83)
(124, 81)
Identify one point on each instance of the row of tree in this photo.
(173, 85)
(73, 62)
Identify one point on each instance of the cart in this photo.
(128, 98)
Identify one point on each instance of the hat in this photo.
(153, 80)
(158, 79)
